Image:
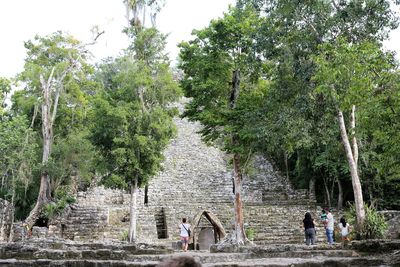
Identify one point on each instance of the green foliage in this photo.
(374, 225)
(250, 233)
(132, 114)
(57, 208)
(115, 181)
(18, 161)
(124, 235)
(5, 88)
(73, 160)
(208, 62)
(50, 210)
(59, 60)
(298, 60)
(287, 108)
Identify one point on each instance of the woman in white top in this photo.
(184, 228)
(344, 230)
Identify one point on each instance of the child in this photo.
(323, 218)
(344, 231)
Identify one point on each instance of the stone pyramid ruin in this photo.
(196, 183)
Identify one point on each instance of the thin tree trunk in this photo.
(358, 197)
(353, 134)
(311, 189)
(47, 133)
(240, 235)
(239, 219)
(132, 226)
(285, 157)
(340, 195)
(332, 190)
(11, 235)
(327, 195)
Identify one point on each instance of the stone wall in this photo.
(393, 219)
(6, 213)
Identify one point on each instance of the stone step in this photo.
(126, 253)
(75, 263)
(267, 262)
(300, 262)
(270, 256)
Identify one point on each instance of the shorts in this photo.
(185, 239)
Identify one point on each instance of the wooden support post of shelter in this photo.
(219, 231)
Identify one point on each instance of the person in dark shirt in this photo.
(309, 229)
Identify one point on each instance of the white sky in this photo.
(20, 20)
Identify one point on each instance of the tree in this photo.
(53, 65)
(5, 88)
(133, 124)
(17, 160)
(349, 74)
(295, 128)
(143, 87)
(219, 67)
(154, 89)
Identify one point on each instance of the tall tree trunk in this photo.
(285, 158)
(240, 235)
(340, 195)
(47, 132)
(327, 195)
(132, 226)
(358, 197)
(332, 190)
(353, 134)
(311, 189)
(239, 219)
(11, 235)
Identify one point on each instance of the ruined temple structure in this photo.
(196, 183)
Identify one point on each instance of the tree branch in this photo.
(335, 5)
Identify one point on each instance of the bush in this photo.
(57, 208)
(374, 225)
(250, 233)
(114, 181)
(124, 235)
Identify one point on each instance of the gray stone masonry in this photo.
(393, 219)
(56, 252)
(195, 177)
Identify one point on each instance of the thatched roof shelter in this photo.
(219, 231)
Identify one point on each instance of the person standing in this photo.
(330, 225)
(185, 234)
(309, 229)
(323, 218)
(344, 230)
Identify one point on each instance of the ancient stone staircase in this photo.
(82, 221)
(61, 253)
(197, 177)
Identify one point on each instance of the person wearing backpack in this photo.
(185, 234)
